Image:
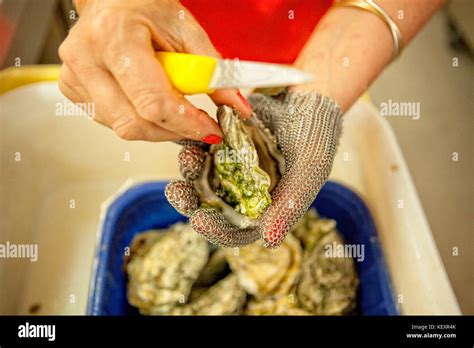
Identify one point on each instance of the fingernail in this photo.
(212, 139)
(242, 98)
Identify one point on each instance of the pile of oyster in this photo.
(240, 173)
(177, 272)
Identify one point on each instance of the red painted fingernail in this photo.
(212, 139)
(242, 98)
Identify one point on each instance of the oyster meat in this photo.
(266, 272)
(163, 267)
(240, 173)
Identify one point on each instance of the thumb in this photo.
(198, 42)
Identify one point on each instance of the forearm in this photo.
(350, 47)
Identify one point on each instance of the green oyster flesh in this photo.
(241, 181)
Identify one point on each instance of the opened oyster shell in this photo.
(267, 272)
(240, 173)
(163, 268)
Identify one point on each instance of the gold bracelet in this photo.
(372, 7)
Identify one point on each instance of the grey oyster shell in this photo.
(285, 305)
(240, 173)
(216, 267)
(226, 297)
(171, 273)
(267, 272)
(164, 267)
(328, 285)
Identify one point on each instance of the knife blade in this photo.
(193, 74)
(247, 74)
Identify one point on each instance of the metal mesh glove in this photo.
(307, 127)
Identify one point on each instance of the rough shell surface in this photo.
(215, 268)
(328, 285)
(285, 305)
(171, 273)
(164, 267)
(226, 297)
(262, 271)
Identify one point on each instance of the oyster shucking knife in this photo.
(194, 74)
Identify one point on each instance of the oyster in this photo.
(328, 285)
(285, 305)
(240, 173)
(196, 291)
(311, 228)
(266, 272)
(223, 298)
(163, 267)
(171, 273)
(214, 270)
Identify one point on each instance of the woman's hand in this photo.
(307, 127)
(109, 60)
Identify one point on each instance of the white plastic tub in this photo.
(70, 165)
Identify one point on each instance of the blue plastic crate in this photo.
(145, 207)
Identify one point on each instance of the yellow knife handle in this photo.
(188, 73)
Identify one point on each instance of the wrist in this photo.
(345, 53)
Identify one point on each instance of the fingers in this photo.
(234, 98)
(71, 87)
(191, 161)
(186, 142)
(277, 221)
(182, 197)
(136, 128)
(86, 82)
(123, 118)
(271, 111)
(212, 225)
(198, 42)
(133, 64)
(114, 110)
(118, 39)
(290, 200)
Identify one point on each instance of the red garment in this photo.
(261, 30)
(6, 35)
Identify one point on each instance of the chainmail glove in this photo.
(307, 127)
